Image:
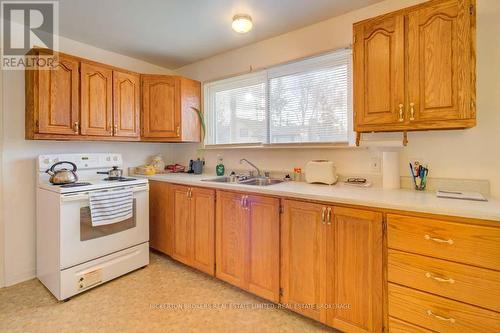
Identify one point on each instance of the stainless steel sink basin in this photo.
(221, 180)
(261, 181)
(256, 181)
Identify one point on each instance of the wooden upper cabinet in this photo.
(52, 99)
(167, 113)
(414, 69)
(161, 107)
(355, 273)
(126, 104)
(379, 71)
(439, 62)
(303, 258)
(190, 98)
(96, 100)
(79, 99)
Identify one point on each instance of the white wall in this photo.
(18, 165)
(472, 154)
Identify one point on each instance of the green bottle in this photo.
(219, 169)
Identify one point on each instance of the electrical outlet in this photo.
(375, 164)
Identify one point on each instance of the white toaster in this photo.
(321, 171)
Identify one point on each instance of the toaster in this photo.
(321, 171)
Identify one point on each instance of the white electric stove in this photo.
(72, 255)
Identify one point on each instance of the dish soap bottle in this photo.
(219, 169)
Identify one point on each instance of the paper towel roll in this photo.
(390, 169)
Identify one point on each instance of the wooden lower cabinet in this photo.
(331, 265)
(203, 229)
(247, 243)
(355, 270)
(159, 217)
(303, 258)
(193, 227)
(181, 223)
(263, 246)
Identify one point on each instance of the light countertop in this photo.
(398, 199)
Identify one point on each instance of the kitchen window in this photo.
(302, 102)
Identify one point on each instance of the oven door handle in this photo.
(85, 195)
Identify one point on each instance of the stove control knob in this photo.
(108, 158)
(46, 161)
(115, 158)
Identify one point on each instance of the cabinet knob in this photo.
(76, 127)
(178, 131)
(401, 117)
(329, 216)
(412, 111)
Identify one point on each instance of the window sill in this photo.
(340, 145)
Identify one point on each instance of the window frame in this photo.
(264, 75)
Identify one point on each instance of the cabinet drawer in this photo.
(469, 244)
(439, 314)
(399, 326)
(464, 283)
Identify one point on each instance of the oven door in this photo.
(81, 242)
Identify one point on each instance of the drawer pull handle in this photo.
(432, 314)
(439, 279)
(438, 240)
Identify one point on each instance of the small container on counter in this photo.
(297, 174)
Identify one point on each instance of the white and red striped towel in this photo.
(107, 207)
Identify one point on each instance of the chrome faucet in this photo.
(253, 165)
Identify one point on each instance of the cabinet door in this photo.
(440, 61)
(58, 98)
(379, 72)
(159, 218)
(126, 104)
(355, 270)
(303, 258)
(203, 228)
(161, 107)
(181, 224)
(262, 236)
(230, 236)
(96, 100)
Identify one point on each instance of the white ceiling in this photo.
(173, 33)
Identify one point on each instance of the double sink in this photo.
(255, 181)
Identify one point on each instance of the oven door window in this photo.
(87, 231)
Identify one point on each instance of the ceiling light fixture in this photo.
(242, 23)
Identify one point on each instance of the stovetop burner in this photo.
(119, 179)
(75, 184)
